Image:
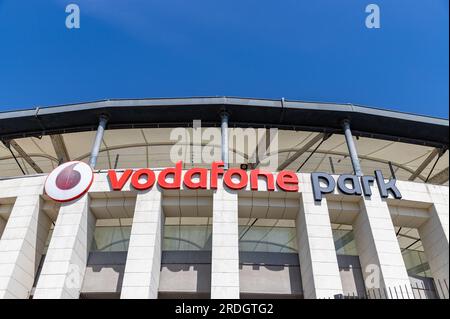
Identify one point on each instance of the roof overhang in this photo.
(169, 112)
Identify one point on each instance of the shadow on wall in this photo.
(185, 272)
(269, 275)
(104, 272)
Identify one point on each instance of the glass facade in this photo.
(187, 234)
(413, 252)
(416, 263)
(255, 235)
(409, 242)
(267, 235)
(111, 235)
(344, 240)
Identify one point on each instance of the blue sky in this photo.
(303, 50)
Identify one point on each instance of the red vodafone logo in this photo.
(69, 181)
(233, 178)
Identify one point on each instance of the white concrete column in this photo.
(379, 252)
(143, 266)
(434, 236)
(225, 245)
(317, 254)
(21, 246)
(65, 263)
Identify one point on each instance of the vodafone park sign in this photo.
(73, 179)
(285, 180)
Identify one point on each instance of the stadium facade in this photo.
(222, 197)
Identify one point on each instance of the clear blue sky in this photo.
(316, 50)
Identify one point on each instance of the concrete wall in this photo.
(322, 272)
(104, 273)
(23, 238)
(67, 255)
(225, 245)
(351, 275)
(269, 274)
(186, 272)
(142, 269)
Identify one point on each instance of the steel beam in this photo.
(60, 148)
(25, 156)
(424, 164)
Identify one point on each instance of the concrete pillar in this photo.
(21, 246)
(65, 263)
(225, 245)
(143, 265)
(379, 252)
(434, 236)
(318, 262)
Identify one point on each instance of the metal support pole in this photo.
(98, 140)
(351, 148)
(391, 167)
(224, 127)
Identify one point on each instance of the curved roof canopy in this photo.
(138, 135)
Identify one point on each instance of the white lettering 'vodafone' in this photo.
(69, 181)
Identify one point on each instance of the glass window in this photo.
(413, 252)
(416, 263)
(344, 240)
(111, 238)
(187, 234)
(265, 235)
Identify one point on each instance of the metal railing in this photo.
(437, 289)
